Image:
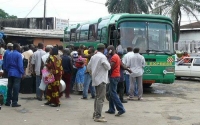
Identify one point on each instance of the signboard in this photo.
(61, 24)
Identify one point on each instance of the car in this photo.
(188, 67)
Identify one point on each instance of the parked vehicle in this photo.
(188, 67)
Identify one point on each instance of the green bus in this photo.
(153, 34)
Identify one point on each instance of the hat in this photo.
(9, 44)
(49, 46)
(100, 45)
(120, 53)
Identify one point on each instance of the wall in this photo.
(47, 41)
(189, 36)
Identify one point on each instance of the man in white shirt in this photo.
(99, 66)
(36, 62)
(125, 60)
(136, 64)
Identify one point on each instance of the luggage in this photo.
(3, 90)
(26, 86)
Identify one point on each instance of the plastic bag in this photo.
(47, 76)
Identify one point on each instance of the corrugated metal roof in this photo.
(33, 32)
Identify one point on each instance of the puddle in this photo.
(29, 98)
(175, 118)
(159, 91)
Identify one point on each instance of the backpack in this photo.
(25, 62)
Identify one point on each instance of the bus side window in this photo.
(84, 32)
(103, 34)
(73, 35)
(78, 34)
(92, 32)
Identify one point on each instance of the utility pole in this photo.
(44, 18)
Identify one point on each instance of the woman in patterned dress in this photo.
(54, 65)
(79, 80)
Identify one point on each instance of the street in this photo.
(174, 104)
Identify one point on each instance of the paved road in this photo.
(175, 104)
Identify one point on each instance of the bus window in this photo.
(66, 36)
(84, 32)
(92, 32)
(78, 34)
(103, 34)
(102, 24)
(73, 35)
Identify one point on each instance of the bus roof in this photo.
(74, 26)
(96, 21)
(117, 17)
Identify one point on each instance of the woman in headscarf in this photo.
(79, 80)
(54, 65)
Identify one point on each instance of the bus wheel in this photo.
(178, 77)
(147, 85)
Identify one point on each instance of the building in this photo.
(33, 36)
(35, 23)
(189, 37)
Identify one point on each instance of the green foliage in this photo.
(174, 8)
(129, 6)
(5, 15)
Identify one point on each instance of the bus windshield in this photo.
(150, 37)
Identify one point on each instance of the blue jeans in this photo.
(127, 83)
(127, 79)
(13, 90)
(38, 91)
(88, 85)
(114, 99)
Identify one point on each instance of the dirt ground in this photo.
(175, 104)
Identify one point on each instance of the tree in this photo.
(175, 9)
(5, 15)
(129, 6)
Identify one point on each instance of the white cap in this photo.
(9, 44)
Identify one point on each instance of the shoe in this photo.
(47, 103)
(100, 119)
(67, 97)
(84, 98)
(39, 99)
(123, 101)
(140, 98)
(55, 105)
(7, 104)
(109, 112)
(130, 98)
(119, 113)
(17, 105)
(93, 97)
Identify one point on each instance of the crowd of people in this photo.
(81, 68)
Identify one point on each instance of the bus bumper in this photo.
(159, 78)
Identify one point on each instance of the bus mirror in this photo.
(115, 33)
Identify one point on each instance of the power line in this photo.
(94, 2)
(33, 8)
(6, 2)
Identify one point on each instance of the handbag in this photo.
(47, 76)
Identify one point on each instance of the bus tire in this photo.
(178, 77)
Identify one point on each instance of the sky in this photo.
(74, 10)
